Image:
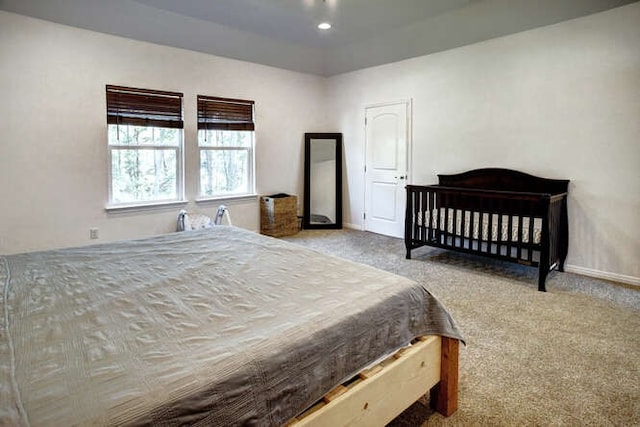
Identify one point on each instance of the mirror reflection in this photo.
(323, 186)
(323, 181)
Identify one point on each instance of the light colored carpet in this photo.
(570, 356)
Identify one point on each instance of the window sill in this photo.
(144, 206)
(239, 198)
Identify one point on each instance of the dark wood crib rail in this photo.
(437, 215)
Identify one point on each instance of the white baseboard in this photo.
(615, 277)
(353, 226)
(605, 275)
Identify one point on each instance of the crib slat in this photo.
(531, 242)
(520, 219)
(445, 227)
(509, 235)
(481, 226)
(499, 235)
(471, 215)
(412, 199)
(463, 229)
(490, 232)
(432, 206)
(420, 201)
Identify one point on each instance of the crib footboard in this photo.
(524, 227)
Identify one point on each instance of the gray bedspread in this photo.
(213, 327)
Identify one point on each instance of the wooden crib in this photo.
(497, 213)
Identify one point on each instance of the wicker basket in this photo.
(279, 215)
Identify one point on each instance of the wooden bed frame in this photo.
(491, 198)
(379, 394)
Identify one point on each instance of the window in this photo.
(145, 146)
(226, 142)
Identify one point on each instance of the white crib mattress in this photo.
(481, 229)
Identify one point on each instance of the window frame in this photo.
(144, 108)
(233, 115)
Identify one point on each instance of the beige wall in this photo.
(561, 102)
(53, 153)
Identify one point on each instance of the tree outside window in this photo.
(145, 131)
(226, 145)
(144, 163)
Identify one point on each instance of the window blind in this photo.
(144, 107)
(224, 113)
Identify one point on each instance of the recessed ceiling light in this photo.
(324, 26)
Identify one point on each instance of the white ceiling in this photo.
(283, 33)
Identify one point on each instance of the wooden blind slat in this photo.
(225, 113)
(144, 107)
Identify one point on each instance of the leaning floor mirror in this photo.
(322, 180)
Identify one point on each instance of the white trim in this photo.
(598, 274)
(229, 198)
(138, 207)
(384, 104)
(409, 153)
(353, 226)
(408, 103)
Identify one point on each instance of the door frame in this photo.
(409, 109)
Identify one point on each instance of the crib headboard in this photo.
(504, 180)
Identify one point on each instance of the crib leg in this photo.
(408, 253)
(542, 277)
(561, 265)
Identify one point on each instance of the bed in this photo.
(492, 212)
(218, 326)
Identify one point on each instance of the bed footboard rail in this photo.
(429, 365)
(522, 227)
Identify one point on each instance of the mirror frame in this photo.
(306, 218)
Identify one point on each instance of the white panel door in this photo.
(386, 169)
